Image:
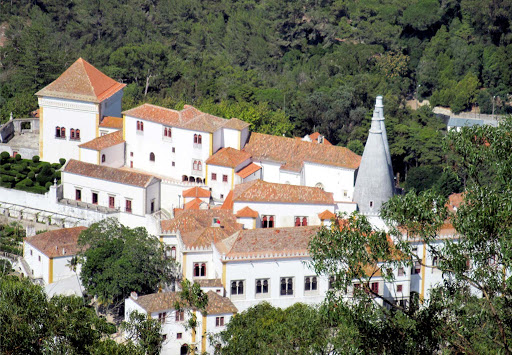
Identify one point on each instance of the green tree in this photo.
(117, 260)
(145, 332)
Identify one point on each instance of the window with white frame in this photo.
(286, 286)
(262, 288)
(161, 317)
(219, 321)
(310, 284)
(237, 288)
(179, 316)
(197, 165)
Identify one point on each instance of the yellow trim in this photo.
(211, 144)
(124, 129)
(424, 259)
(98, 158)
(206, 174)
(161, 239)
(79, 153)
(41, 133)
(194, 332)
(50, 271)
(203, 338)
(184, 265)
(232, 178)
(224, 275)
(97, 125)
(239, 139)
(254, 223)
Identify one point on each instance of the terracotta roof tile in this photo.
(209, 282)
(247, 213)
(112, 122)
(60, 242)
(262, 191)
(248, 170)
(268, 242)
(228, 202)
(83, 82)
(196, 192)
(195, 226)
(229, 157)
(236, 124)
(326, 215)
(314, 138)
(292, 153)
(108, 140)
(188, 118)
(219, 305)
(193, 205)
(109, 174)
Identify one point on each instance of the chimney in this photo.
(134, 295)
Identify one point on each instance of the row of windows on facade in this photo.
(179, 316)
(111, 201)
(269, 221)
(167, 132)
(263, 285)
(60, 132)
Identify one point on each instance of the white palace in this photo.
(235, 208)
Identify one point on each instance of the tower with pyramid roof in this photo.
(72, 107)
(374, 182)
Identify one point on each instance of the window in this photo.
(140, 126)
(224, 178)
(179, 335)
(301, 221)
(62, 132)
(237, 288)
(375, 287)
(401, 271)
(267, 222)
(357, 287)
(417, 268)
(111, 201)
(332, 282)
(173, 150)
(173, 252)
(152, 205)
(164, 337)
(286, 286)
(103, 158)
(194, 165)
(57, 132)
(39, 257)
(94, 198)
(129, 206)
(199, 269)
(31, 252)
(219, 321)
(195, 138)
(435, 261)
(199, 139)
(310, 283)
(345, 193)
(319, 185)
(131, 154)
(161, 317)
(399, 288)
(151, 156)
(167, 132)
(78, 194)
(71, 133)
(261, 286)
(199, 166)
(180, 316)
(131, 164)
(173, 164)
(402, 303)
(371, 204)
(221, 196)
(77, 134)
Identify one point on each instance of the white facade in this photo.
(339, 181)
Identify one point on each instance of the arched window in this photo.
(57, 131)
(184, 178)
(304, 221)
(191, 179)
(151, 156)
(199, 180)
(320, 185)
(264, 222)
(72, 133)
(195, 138)
(271, 222)
(173, 252)
(199, 166)
(194, 166)
(313, 283)
(199, 139)
(165, 131)
(297, 221)
(141, 125)
(234, 289)
(77, 134)
(63, 132)
(203, 269)
(308, 284)
(103, 158)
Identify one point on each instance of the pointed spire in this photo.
(374, 183)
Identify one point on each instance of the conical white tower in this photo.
(374, 182)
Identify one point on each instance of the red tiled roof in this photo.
(60, 242)
(196, 192)
(209, 282)
(112, 122)
(188, 118)
(268, 242)
(108, 140)
(195, 226)
(83, 82)
(326, 215)
(193, 205)
(236, 124)
(262, 191)
(229, 157)
(292, 153)
(219, 305)
(314, 138)
(110, 174)
(228, 202)
(247, 212)
(248, 170)
(454, 201)
(163, 301)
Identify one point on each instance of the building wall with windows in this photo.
(175, 156)
(221, 180)
(339, 181)
(192, 263)
(113, 156)
(38, 262)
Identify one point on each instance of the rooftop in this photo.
(83, 82)
(196, 192)
(60, 242)
(248, 170)
(262, 191)
(326, 215)
(109, 174)
(229, 157)
(106, 141)
(236, 124)
(293, 153)
(247, 213)
(112, 122)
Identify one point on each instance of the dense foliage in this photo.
(117, 260)
(11, 238)
(30, 175)
(33, 324)
(288, 67)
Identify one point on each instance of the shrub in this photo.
(26, 182)
(48, 185)
(56, 166)
(7, 167)
(17, 157)
(17, 167)
(57, 175)
(31, 175)
(7, 178)
(5, 155)
(62, 161)
(6, 184)
(35, 158)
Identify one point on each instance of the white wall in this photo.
(68, 114)
(200, 256)
(37, 261)
(114, 156)
(244, 137)
(218, 186)
(249, 223)
(61, 270)
(334, 179)
(270, 171)
(89, 155)
(289, 177)
(231, 138)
